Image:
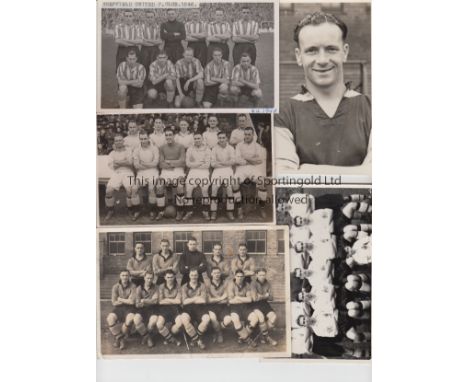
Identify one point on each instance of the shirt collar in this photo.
(246, 258)
(221, 259)
(221, 281)
(190, 287)
(165, 258)
(304, 95)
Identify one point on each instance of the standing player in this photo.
(218, 34)
(198, 158)
(217, 260)
(246, 81)
(245, 35)
(189, 77)
(120, 320)
(195, 31)
(132, 140)
(237, 135)
(173, 33)
(150, 40)
(146, 306)
(131, 77)
(158, 138)
(145, 161)
(194, 309)
(138, 264)
(243, 262)
(210, 136)
(251, 161)
(223, 157)
(217, 76)
(217, 308)
(172, 163)
(161, 78)
(192, 258)
(261, 295)
(120, 162)
(242, 316)
(184, 137)
(164, 261)
(127, 36)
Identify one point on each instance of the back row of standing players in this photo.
(148, 300)
(187, 161)
(203, 67)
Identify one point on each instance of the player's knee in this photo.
(227, 320)
(354, 313)
(351, 334)
(271, 316)
(235, 90)
(109, 192)
(223, 89)
(205, 319)
(169, 85)
(260, 316)
(137, 319)
(160, 322)
(253, 319)
(178, 320)
(123, 90)
(112, 319)
(152, 322)
(352, 305)
(235, 318)
(199, 85)
(257, 93)
(212, 316)
(185, 318)
(129, 319)
(152, 93)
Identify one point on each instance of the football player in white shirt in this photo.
(301, 334)
(145, 161)
(157, 137)
(132, 140)
(120, 162)
(237, 135)
(184, 137)
(251, 165)
(223, 157)
(210, 136)
(197, 159)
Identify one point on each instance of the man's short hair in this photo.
(168, 129)
(125, 271)
(193, 269)
(192, 239)
(242, 245)
(143, 132)
(217, 50)
(318, 18)
(221, 133)
(239, 272)
(162, 52)
(215, 268)
(245, 54)
(165, 241)
(170, 9)
(197, 133)
(260, 270)
(215, 244)
(242, 115)
(188, 49)
(249, 128)
(131, 52)
(169, 272)
(148, 273)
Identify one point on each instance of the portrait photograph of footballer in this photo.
(168, 292)
(216, 55)
(184, 168)
(324, 120)
(330, 239)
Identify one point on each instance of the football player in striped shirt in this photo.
(245, 34)
(195, 31)
(146, 306)
(243, 262)
(217, 260)
(138, 264)
(161, 78)
(189, 77)
(245, 81)
(210, 136)
(217, 77)
(164, 261)
(120, 162)
(197, 159)
(145, 161)
(127, 36)
(131, 77)
(151, 40)
(218, 34)
(251, 164)
(158, 138)
(184, 137)
(223, 157)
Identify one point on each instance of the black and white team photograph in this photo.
(196, 55)
(194, 292)
(330, 240)
(324, 120)
(184, 168)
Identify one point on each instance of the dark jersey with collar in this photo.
(339, 141)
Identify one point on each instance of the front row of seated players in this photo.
(248, 158)
(194, 308)
(186, 83)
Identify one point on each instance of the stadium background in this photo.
(267, 247)
(357, 17)
(263, 13)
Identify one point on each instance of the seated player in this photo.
(243, 262)
(194, 311)
(131, 77)
(138, 264)
(245, 81)
(210, 136)
(172, 164)
(217, 77)
(167, 320)
(146, 304)
(189, 78)
(145, 161)
(120, 162)
(251, 166)
(261, 296)
(360, 254)
(161, 79)
(223, 157)
(197, 159)
(242, 316)
(217, 308)
(217, 260)
(164, 261)
(184, 137)
(120, 320)
(158, 138)
(237, 135)
(192, 258)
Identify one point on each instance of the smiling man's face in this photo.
(322, 53)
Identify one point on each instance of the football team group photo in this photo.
(194, 292)
(213, 55)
